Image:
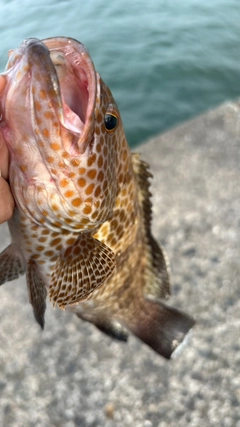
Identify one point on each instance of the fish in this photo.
(81, 228)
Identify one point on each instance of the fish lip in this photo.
(38, 53)
(75, 52)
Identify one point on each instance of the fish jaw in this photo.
(77, 78)
(58, 91)
(50, 106)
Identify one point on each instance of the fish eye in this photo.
(110, 121)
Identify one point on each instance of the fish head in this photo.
(64, 133)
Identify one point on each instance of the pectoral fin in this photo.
(37, 292)
(11, 264)
(80, 270)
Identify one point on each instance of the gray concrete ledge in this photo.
(72, 375)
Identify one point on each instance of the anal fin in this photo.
(113, 329)
(81, 269)
(37, 292)
(11, 264)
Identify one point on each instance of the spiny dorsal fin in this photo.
(11, 264)
(80, 270)
(37, 292)
(157, 279)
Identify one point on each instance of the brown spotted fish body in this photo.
(81, 227)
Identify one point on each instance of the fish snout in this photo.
(35, 47)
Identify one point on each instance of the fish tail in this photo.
(161, 327)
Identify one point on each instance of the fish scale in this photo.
(81, 229)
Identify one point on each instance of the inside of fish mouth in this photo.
(74, 89)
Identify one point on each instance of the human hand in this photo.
(6, 198)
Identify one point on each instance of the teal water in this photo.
(165, 61)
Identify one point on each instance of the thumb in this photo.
(7, 202)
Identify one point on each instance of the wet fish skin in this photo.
(81, 229)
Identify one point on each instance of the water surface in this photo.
(165, 61)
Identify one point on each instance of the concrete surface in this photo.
(72, 375)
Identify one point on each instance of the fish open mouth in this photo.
(77, 81)
(53, 75)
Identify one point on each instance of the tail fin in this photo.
(161, 327)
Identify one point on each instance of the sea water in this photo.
(165, 61)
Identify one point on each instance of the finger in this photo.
(6, 201)
(4, 157)
(2, 82)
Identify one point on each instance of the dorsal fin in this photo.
(157, 278)
(80, 270)
(11, 264)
